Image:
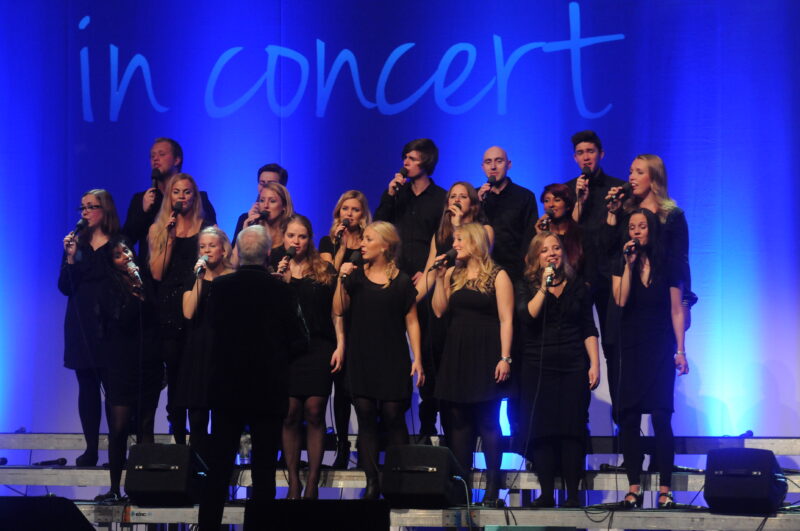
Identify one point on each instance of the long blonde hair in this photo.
(658, 185)
(477, 240)
(391, 238)
(157, 240)
(316, 268)
(227, 249)
(366, 216)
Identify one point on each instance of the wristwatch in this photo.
(507, 359)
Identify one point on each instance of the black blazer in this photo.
(258, 325)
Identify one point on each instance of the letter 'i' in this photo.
(86, 91)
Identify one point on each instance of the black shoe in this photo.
(342, 456)
(669, 504)
(542, 502)
(373, 490)
(86, 459)
(109, 498)
(631, 504)
(570, 503)
(493, 503)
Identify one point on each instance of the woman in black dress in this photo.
(351, 215)
(172, 242)
(84, 268)
(194, 376)
(274, 210)
(312, 279)
(560, 365)
(381, 300)
(476, 363)
(647, 290)
(135, 370)
(559, 203)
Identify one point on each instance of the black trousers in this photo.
(226, 430)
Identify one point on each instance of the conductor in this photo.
(258, 324)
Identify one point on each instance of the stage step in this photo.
(598, 444)
(354, 479)
(575, 518)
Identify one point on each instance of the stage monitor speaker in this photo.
(164, 475)
(41, 512)
(424, 477)
(330, 515)
(744, 481)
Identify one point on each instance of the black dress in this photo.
(647, 344)
(171, 288)
(135, 370)
(194, 374)
(83, 283)
(472, 349)
(310, 372)
(377, 360)
(555, 363)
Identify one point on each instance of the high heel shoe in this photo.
(312, 492)
(632, 504)
(669, 504)
(86, 459)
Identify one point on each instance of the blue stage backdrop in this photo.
(332, 90)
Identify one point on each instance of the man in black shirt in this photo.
(166, 159)
(414, 204)
(591, 188)
(512, 212)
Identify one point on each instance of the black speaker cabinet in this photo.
(330, 515)
(41, 512)
(744, 481)
(424, 477)
(164, 475)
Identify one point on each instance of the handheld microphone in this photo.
(586, 172)
(155, 176)
(133, 271)
(551, 276)
(624, 191)
(633, 248)
(446, 260)
(338, 237)
(546, 221)
(404, 172)
(201, 268)
(177, 208)
(290, 253)
(79, 226)
(52, 462)
(356, 259)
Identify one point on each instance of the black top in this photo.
(326, 246)
(138, 222)
(567, 322)
(592, 221)
(377, 358)
(257, 326)
(512, 214)
(83, 283)
(315, 300)
(416, 218)
(675, 238)
(171, 288)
